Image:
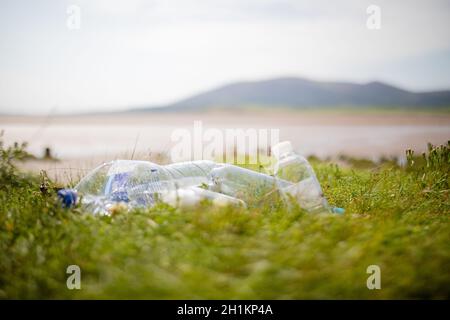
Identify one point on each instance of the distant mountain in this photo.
(303, 93)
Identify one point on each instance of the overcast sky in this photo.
(138, 53)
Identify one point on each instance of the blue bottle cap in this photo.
(338, 210)
(68, 197)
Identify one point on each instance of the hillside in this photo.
(303, 93)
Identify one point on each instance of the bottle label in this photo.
(116, 186)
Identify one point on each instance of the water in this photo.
(83, 140)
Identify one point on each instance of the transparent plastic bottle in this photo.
(304, 186)
(248, 185)
(192, 196)
(143, 183)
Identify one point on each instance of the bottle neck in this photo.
(286, 155)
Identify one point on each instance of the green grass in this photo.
(396, 218)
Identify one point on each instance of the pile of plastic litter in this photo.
(136, 184)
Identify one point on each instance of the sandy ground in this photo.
(266, 117)
(83, 142)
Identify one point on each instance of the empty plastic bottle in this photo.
(304, 187)
(192, 196)
(248, 185)
(142, 184)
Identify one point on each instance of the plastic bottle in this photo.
(141, 184)
(248, 185)
(191, 196)
(304, 187)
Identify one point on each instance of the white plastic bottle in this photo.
(304, 187)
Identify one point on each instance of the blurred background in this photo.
(87, 81)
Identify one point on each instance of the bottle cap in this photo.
(338, 210)
(281, 148)
(68, 197)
